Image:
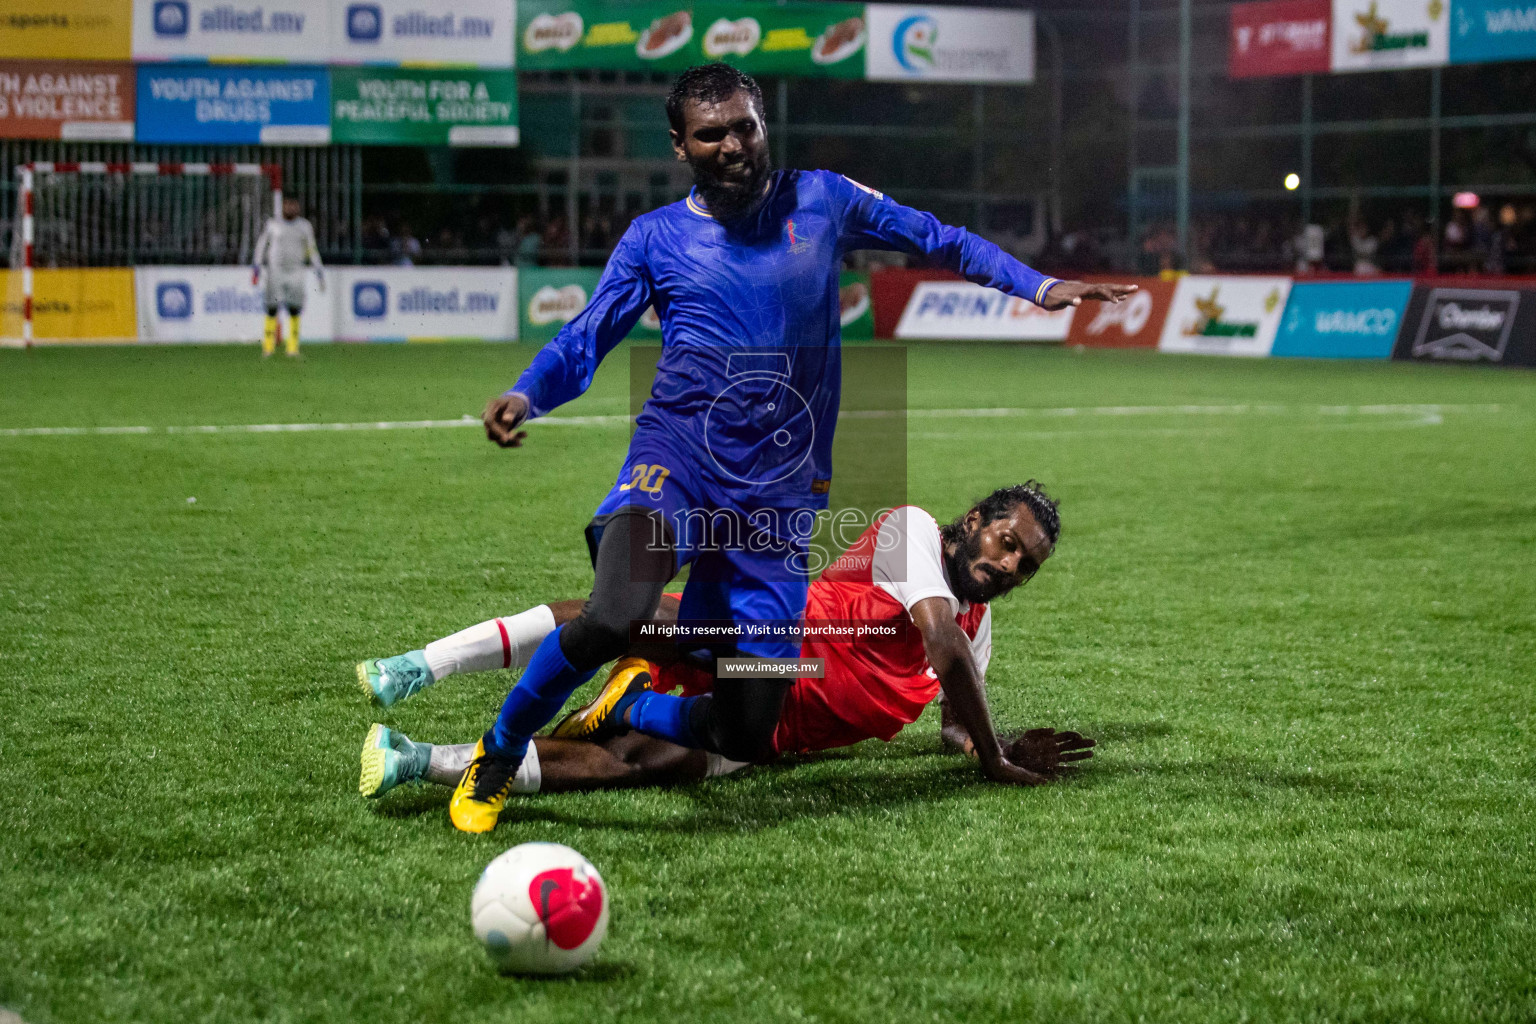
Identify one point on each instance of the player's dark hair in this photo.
(709, 83)
(1004, 500)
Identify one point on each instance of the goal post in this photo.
(77, 218)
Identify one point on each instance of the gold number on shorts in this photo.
(647, 478)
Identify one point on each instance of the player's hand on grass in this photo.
(1049, 752)
(1000, 769)
(1072, 293)
(502, 418)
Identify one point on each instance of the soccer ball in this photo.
(540, 908)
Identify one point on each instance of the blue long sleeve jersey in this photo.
(748, 383)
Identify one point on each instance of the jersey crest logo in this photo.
(796, 243)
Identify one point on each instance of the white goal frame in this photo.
(27, 173)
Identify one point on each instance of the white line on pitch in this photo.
(584, 421)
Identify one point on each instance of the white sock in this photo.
(449, 761)
(498, 643)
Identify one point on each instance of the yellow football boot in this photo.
(483, 790)
(602, 718)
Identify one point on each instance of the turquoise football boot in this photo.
(388, 680)
(389, 759)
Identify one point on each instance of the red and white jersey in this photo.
(877, 684)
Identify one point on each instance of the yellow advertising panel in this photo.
(90, 305)
(67, 29)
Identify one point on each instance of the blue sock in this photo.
(664, 716)
(538, 696)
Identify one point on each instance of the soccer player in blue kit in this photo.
(731, 456)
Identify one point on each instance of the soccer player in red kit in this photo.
(899, 618)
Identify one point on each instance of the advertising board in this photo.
(1278, 37)
(66, 99)
(856, 306)
(1492, 30)
(1229, 316)
(550, 297)
(1470, 323)
(950, 44)
(271, 106)
(1342, 320)
(66, 29)
(470, 33)
(411, 107)
(960, 310)
(421, 303)
(1136, 322)
(284, 31)
(88, 305)
(216, 304)
(606, 35)
(1369, 35)
(803, 39)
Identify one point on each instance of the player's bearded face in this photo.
(972, 577)
(731, 170)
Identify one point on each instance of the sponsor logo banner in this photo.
(554, 34)
(478, 33)
(1229, 316)
(1493, 30)
(424, 108)
(1470, 325)
(960, 310)
(70, 29)
(1373, 34)
(795, 39)
(66, 100)
(551, 296)
(1135, 323)
(89, 305)
(1278, 37)
(405, 303)
(950, 44)
(855, 305)
(1342, 320)
(234, 104)
(274, 31)
(216, 304)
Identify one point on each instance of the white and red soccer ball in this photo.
(540, 908)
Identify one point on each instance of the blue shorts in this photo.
(747, 565)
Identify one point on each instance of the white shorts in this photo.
(284, 290)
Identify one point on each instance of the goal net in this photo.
(81, 229)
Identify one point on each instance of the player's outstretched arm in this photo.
(563, 369)
(949, 652)
(503, 416)
(1072, 293)
(873, 220)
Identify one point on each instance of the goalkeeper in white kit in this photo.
(284, 251)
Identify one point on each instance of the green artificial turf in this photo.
(1303, 628)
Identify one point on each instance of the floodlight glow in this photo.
(1292, 182)
(1465, 200)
